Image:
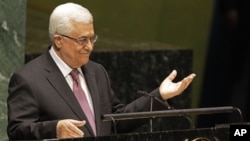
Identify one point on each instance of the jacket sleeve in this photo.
(23, 112)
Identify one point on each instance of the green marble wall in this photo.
(12, 40)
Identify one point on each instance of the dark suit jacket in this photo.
(39, 97)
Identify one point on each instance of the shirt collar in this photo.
(64, 68)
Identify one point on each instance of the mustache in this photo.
(85, 52)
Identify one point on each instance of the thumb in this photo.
(172, 75)
(78, 123)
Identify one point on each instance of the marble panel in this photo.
(144, 70)
(12, 39)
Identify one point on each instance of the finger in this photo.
(187, 80)
(172, 75)
(74, 130)
(78, 123)
(190, 77)
(184, 83)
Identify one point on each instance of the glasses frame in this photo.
(83, 41)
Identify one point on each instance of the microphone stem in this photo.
(151, 109)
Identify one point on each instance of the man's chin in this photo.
(85, 61)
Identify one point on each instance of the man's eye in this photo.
(84, 39)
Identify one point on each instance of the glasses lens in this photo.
(84, 41)
(93, 39)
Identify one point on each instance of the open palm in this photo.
(169, 89)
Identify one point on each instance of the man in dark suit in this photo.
(41, 101)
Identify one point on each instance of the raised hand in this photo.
(169, 89)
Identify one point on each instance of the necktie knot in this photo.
(74, 74)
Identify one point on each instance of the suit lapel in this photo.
(57, 80)
(66, 93)
(92, 85)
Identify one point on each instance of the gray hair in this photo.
(63, 15)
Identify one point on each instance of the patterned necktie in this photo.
(81, 97)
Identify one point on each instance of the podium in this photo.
(202, 134)
(220, 132)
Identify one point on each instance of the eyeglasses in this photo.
(83, 41)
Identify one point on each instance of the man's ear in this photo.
(58, 41)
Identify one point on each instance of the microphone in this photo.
(165, 103)
(151, 106)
